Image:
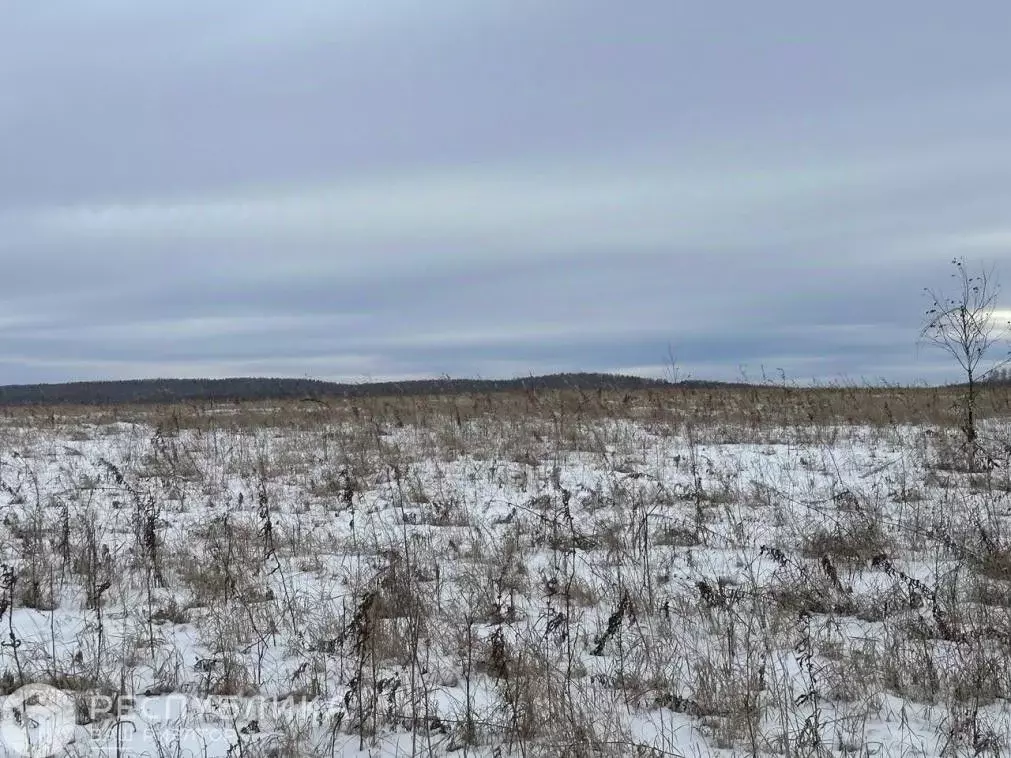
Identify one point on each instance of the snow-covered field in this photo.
(556, 576)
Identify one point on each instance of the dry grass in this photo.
(771, 570)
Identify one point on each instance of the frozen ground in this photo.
(597, 578)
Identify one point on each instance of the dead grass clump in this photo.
(994, 561)
(225, 675)
(855, 539)
(881, 604)
(798, 587)
(991, 592)
(801, 596)
(221, 562)
(397, 594)
(910, 667)
(968, 730)
(171, 612)
(980, 673)
(676, 535)
(35, 592)
(442, 512)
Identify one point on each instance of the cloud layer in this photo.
(373, 190)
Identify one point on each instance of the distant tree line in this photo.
(1000, 376)
(250, 389)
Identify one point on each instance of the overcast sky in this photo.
(357, 189)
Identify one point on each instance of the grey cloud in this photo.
(400, 189)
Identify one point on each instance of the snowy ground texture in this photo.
(679, 574)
